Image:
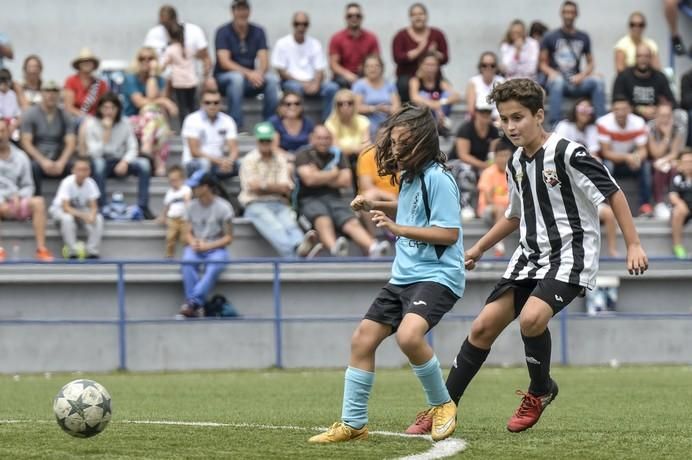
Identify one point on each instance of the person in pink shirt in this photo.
(349, 47)
(412, 43)
(183, 79)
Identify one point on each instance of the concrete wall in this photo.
(114, 29)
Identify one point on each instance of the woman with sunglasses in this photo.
(148, 107)
(580, 126)
(626, 47)
(292, 128)
(351, 131)
(480, 85)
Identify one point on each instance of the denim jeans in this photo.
(103, 168)
(206, 166)
(558, 88)
(198, 288)
(235, 87)
(327, 91)
(276, 222)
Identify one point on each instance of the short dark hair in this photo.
(81, 159)
(619, 97)
(569, 3)
(523, 90)
(175, 168)
(353, 5)
(5, 74)
(169, 10)
(417, 5)
(503, 144)
(115, 100)
(212, 91)
(537, 28)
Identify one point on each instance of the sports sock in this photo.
(538, 361)
(357, 385)
(430, 376)
(464, 369)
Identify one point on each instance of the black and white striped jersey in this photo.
(555, 194)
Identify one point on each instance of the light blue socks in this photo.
(357, 386)
(430, 376)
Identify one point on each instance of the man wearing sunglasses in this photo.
(209, 139)
(299, 60)
(349, 47)
(562, 51)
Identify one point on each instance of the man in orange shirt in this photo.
(493, 195)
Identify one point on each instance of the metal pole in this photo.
(122, 316)
(278, 342)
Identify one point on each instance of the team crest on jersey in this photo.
(550, 177)
(519, 176)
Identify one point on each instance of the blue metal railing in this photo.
(278, 318)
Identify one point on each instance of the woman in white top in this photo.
(580, 126)
(626, 47)
(480, 85)
(519, 53)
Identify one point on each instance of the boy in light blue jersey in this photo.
(427, 274)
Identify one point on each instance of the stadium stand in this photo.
(286, 312)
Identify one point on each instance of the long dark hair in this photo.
(420, 147)
(115, 100)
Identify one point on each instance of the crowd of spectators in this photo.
(308, 167)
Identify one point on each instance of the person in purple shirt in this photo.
(242, 63)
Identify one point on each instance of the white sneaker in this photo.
(340, 248)
(314, 251)
(662, 212)
(309, 241)
(379, 249)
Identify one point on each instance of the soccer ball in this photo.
(82, 408)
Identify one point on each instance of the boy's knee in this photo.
(531, 324)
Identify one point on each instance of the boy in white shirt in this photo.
(175, 201)
(76, 204)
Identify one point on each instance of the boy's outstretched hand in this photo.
(637, 262)
(471, 257)
(360, 203)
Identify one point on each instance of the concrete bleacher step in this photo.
(89, 292)
(145, 240)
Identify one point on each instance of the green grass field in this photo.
(627, 413)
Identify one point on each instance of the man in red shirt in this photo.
(349, 47)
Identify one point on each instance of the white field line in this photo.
(441, 449)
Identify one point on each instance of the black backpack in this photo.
(219, 306)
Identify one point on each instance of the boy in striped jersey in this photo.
(555, 187)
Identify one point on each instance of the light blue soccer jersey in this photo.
(417, 261)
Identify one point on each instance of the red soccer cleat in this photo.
(422, 424)
(531, 408)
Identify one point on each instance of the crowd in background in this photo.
(90, 128)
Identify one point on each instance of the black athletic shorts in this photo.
(427, 299)
(555, 293)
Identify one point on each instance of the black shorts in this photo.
(555, 293)
(427, 299)
(335, 208)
